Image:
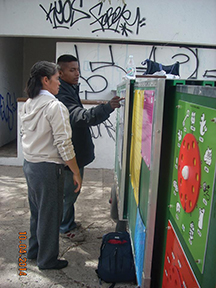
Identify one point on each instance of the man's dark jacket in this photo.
(81, 119)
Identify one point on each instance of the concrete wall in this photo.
(102, 66)
(17, 55)
(36, 49)
(11, 64)
(103, 136)
(102, 36)
(158, 21)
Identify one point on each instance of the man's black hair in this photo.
(66, 58)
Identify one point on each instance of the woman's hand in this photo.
(72, 164)
(77, 181)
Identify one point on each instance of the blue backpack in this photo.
(116, 262)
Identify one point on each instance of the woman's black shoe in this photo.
(61, 264)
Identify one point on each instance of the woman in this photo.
(47, 147)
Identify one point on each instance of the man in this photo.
(80, 119)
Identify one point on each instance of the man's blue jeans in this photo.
(68, 220)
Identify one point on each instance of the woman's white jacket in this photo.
(45, 130)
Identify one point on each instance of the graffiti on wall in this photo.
(66, 14)
(8, 107)
(109, 129)
(186, 56)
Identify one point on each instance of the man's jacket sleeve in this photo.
(80, 116)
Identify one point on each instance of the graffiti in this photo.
(8, 107)
(197, 61)
(106, 63)
(99, 65)
(116, 20)
(152, 56)
(88, 80)
(208, 73)
(109, 129)
(188, 57)
(65, 14)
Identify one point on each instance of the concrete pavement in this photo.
(92, 209)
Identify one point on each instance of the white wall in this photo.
(180, 31)
(159, 21)
(103, 137)
(102, 65)
(11, 63)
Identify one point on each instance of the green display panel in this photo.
(144, 188)
(193, 176)
(132, 210)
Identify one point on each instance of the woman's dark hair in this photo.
(39, 70)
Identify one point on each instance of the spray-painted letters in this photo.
(65, 14)
(187, 57)
(8, 107)
(109, 128)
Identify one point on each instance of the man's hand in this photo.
(114, 102)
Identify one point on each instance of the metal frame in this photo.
(159, 85)
(121, 198)
(206, 91)
(120, 187)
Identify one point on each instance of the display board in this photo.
(170, 178)
(189, 250)
(177, 270)
(145, 123)
(140, 150)
(193, 176)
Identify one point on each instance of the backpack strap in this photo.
(100, 280)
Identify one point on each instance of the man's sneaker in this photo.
(74, 235)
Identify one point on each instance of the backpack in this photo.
(153, 67)
(116, 262)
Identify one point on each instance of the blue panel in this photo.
(139, 246)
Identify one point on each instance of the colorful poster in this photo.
(147, 126)
(136, 138)
(193, 176)
(139, 246)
